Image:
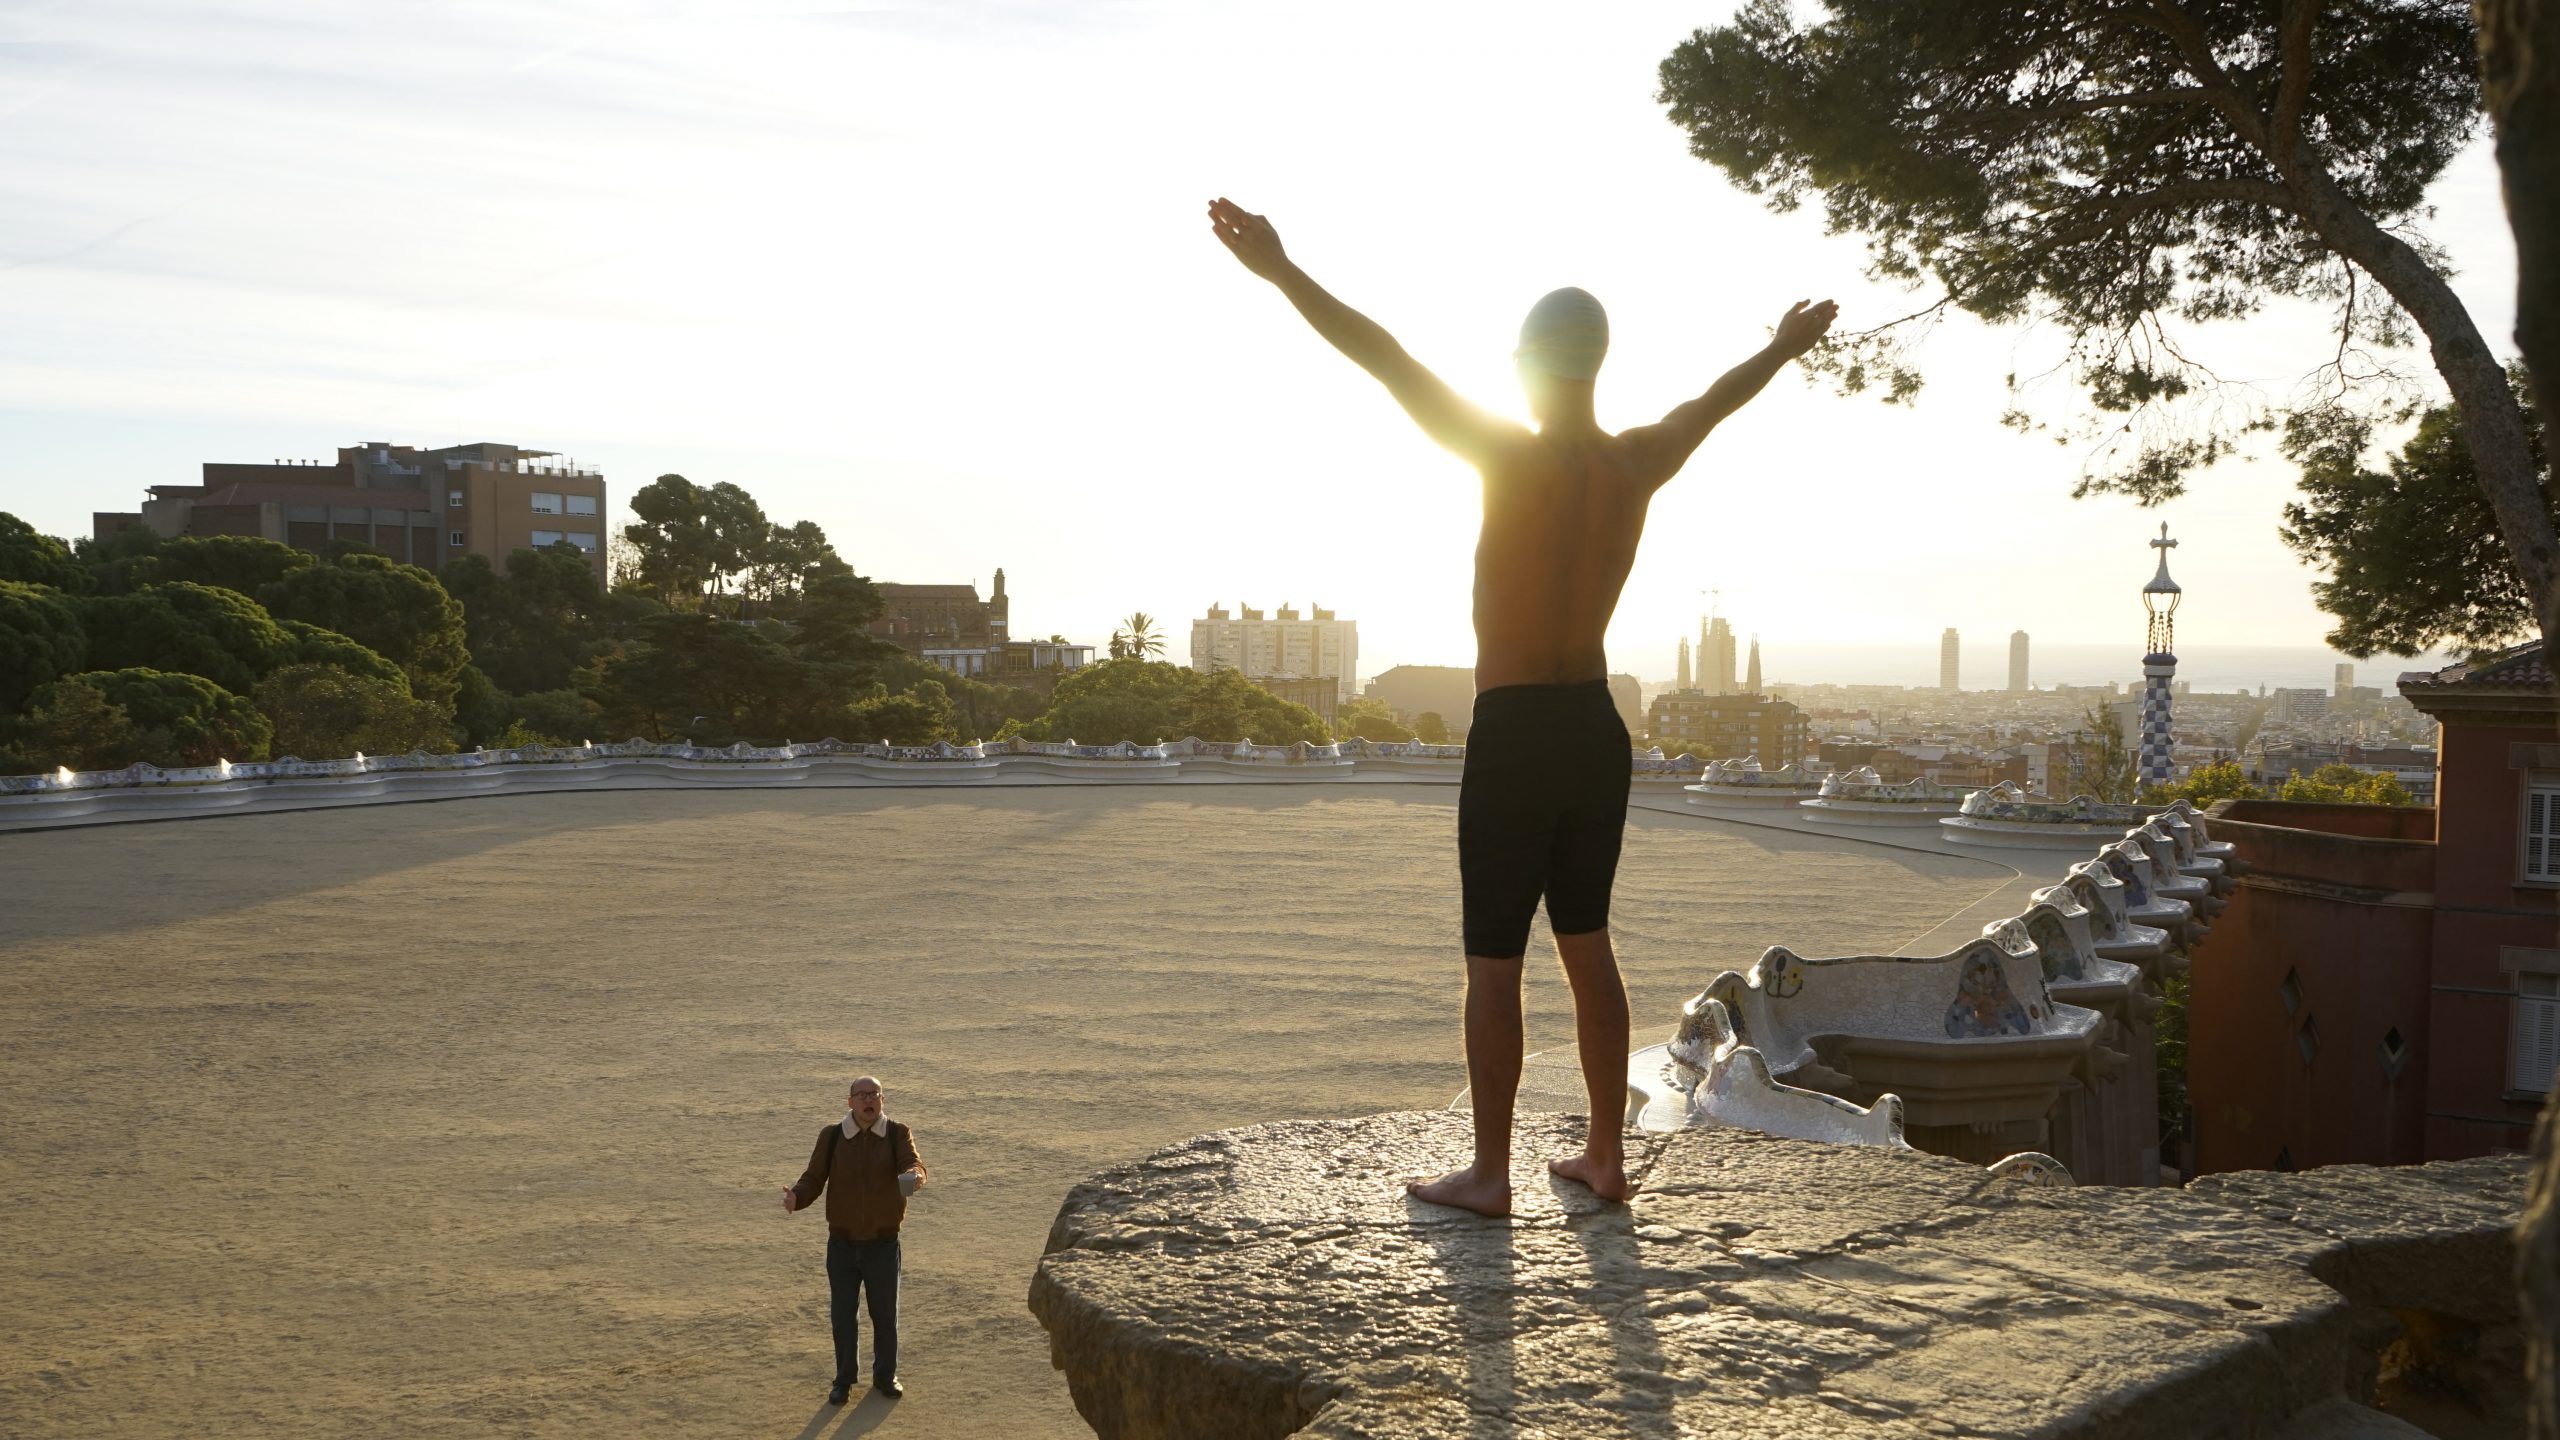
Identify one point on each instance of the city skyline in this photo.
(623, 256)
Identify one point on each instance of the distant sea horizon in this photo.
(2222, 668)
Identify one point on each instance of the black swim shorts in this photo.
(1541, 813)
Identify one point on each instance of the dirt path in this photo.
(470, 1119)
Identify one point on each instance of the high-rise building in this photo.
(2018, 662)
(1682, 682)
(421, 507)
(1751, 681)
(1715, 657)
(1283, 643)
(2346, 680)
(2159, 665)
(1947, 646)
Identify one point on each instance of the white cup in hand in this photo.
(908, 1180)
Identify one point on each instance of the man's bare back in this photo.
(1542, 808)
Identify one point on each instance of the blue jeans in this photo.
(854, 1267)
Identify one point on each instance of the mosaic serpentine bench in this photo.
(1861, 797)
(2171, 879)
(1742, 783)
(2189, 857)
(1971, 1041)
(2113, 932)
(2131, 867)
(2106, 1129)
(1705, 1075)
(2006, 814)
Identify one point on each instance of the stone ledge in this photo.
(1276, 1280)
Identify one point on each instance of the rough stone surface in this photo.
(1277, 1280)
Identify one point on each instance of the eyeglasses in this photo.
(866, 1094)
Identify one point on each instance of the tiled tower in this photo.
(2159, 664)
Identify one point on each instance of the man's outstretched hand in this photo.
(1248, 237)
(1803, 327)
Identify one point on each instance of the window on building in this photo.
(454, 540)
(2542, 833)
(582, 504)
(453, 499)
(584, 540)
(2534, 1044)
(545, 538)
(545, 503)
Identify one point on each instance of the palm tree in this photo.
(1141, 638)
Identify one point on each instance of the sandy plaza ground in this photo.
(471, 1118)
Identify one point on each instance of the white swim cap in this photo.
(1566, 335)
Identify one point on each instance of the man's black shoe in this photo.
(837, 1395)
(890, 1388)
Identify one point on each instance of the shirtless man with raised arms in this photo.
(1543, 806)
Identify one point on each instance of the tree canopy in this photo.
(181, 719)
(398, 611)
(319, 710)
(40, 640)
(1149, 700)
(2411, 552)
(222, 635)
(2115, 166)
(30, 557)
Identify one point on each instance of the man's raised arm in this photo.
(1668, 444)
(1442, 414)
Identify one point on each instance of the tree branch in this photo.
(2217, 83)
(1966, 122)
(2294, 85)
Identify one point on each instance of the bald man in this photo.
(1543, 806)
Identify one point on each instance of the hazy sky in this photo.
(936, 276)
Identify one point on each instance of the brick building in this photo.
(419, 506)
(2385, 987)
(1729, 727)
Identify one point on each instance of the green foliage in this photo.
(222, 635)
(1430, 729)
(2413, 556)
(518, 734)
(978, 710)
(244, 563)
(2221, 780)
(30, 557)
(40, 640)
(2070, 163)
(396, 610)
(568, 717)
(689, 541)
(315, 646)
(1149, 700)
(693, 676)
(75, 727)
(119, 563)
(2169, 1057)
(2345, 785)
(2101, 764)
(1369, 719)
(323, 712)
(531, 627)
(179, 719)
(833, 622)
(919, 715)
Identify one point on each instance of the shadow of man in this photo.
(860, 1418)
(1482, 1271)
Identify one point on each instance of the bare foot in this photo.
(1467, 1191)
(1606, 1178)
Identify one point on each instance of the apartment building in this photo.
(419, 506)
